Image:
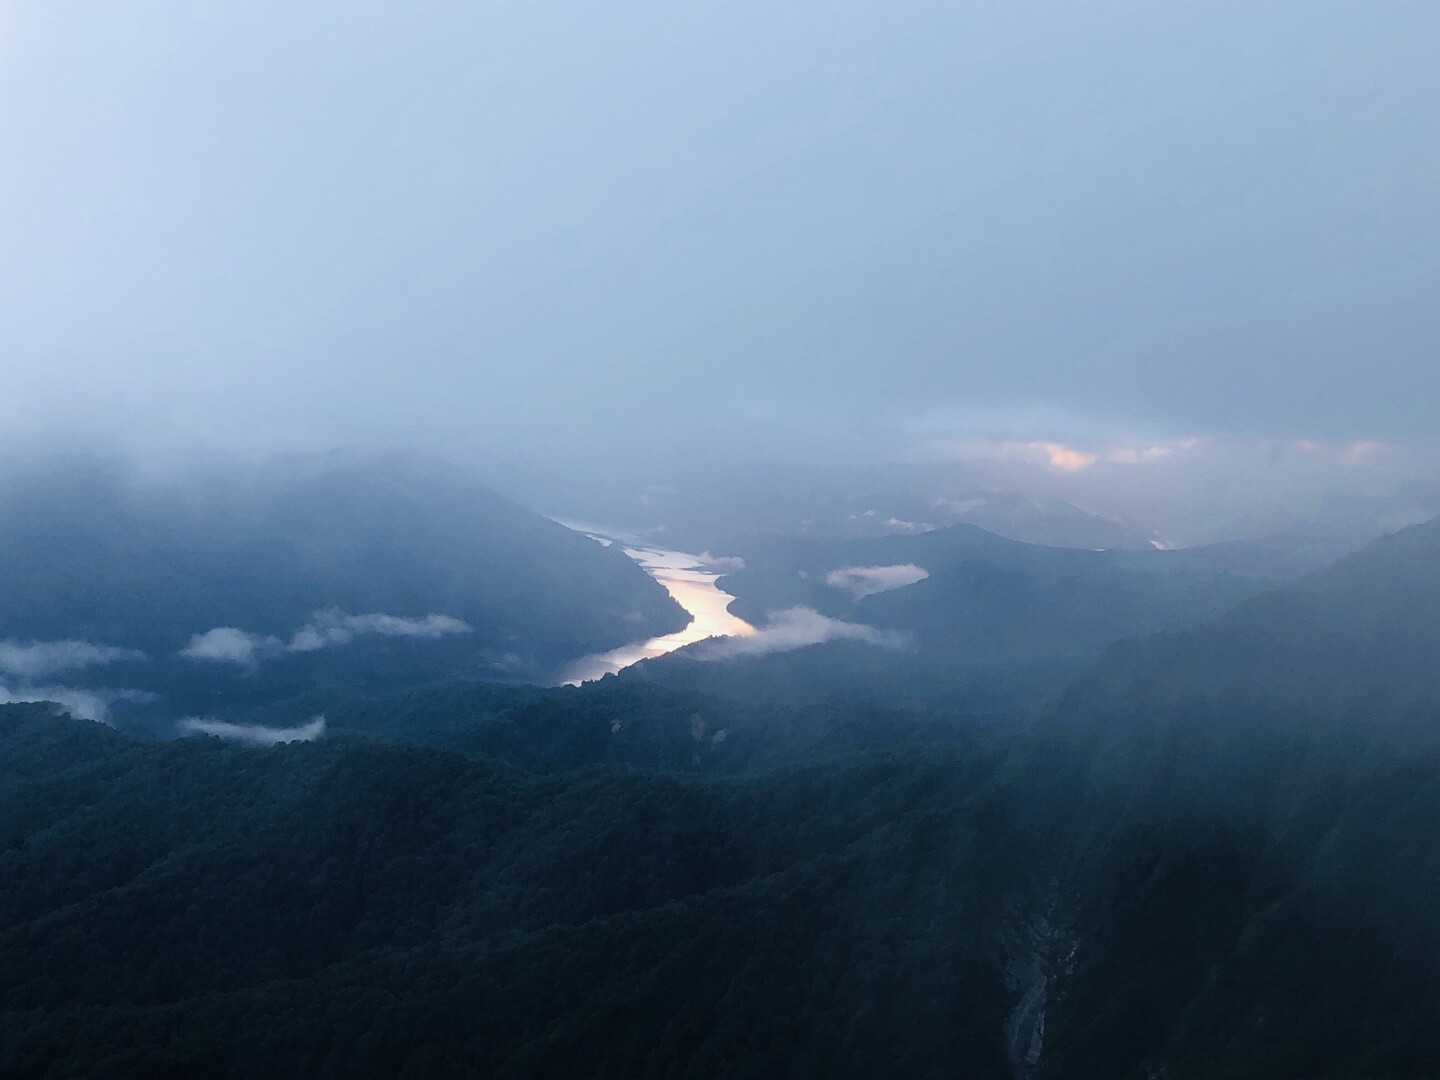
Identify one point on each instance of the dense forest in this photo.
(1212, 856)
(354, 908)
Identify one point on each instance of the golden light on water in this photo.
(693, 587)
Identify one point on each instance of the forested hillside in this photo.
(1192, 867)
(245, 584)
(1251, 864)
(350, 908)
(1361, 634)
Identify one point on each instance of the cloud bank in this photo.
(862, 581)
(325, 630)
(41, 659)
(253, 734)
(795, 628)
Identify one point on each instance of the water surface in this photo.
(690, 579)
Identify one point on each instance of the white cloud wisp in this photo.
(325, 630)
(81, 703)
(253, 734)
(41, 659)
(863, 581)
(795, 628)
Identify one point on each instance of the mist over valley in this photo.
(719, 540)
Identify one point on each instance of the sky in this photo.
(898, 229)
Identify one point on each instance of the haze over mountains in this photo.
(1213, 824)
(972, 620)
(1353, 644)
(731, 540)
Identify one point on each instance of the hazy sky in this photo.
(494, 226)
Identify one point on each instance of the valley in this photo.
(849, 884)
(708, 541)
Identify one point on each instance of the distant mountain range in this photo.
(979, 620)
(1357, 641)
(708, 505)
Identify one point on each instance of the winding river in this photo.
(690, 580)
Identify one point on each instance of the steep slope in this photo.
(1360, 637)
(1235, 874)
(359, 909)
(1249, 865)
(90, 554)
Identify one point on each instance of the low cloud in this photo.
(41, 659)
(895, 524)
(253, 734)
(325, 630)
(795, 628)
(1062, 457)
(229, 645)
(862, 581)
(83, 704)
(334, 627)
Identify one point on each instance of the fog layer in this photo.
(595, 231)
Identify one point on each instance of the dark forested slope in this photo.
(1360, 633)
(1217, 857)
(365, 909)
(91, 554)
(1251, 864)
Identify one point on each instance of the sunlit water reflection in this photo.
(690, 579)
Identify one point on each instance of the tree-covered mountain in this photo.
(1214, 857)
(356, 908)
(1361, 634)
(1249, 865)
(292, 557)
(612, 722)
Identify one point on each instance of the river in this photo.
(690, 580)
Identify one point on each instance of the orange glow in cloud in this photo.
(1065, 458)
(1359, 451)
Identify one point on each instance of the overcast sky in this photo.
(486, 226)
